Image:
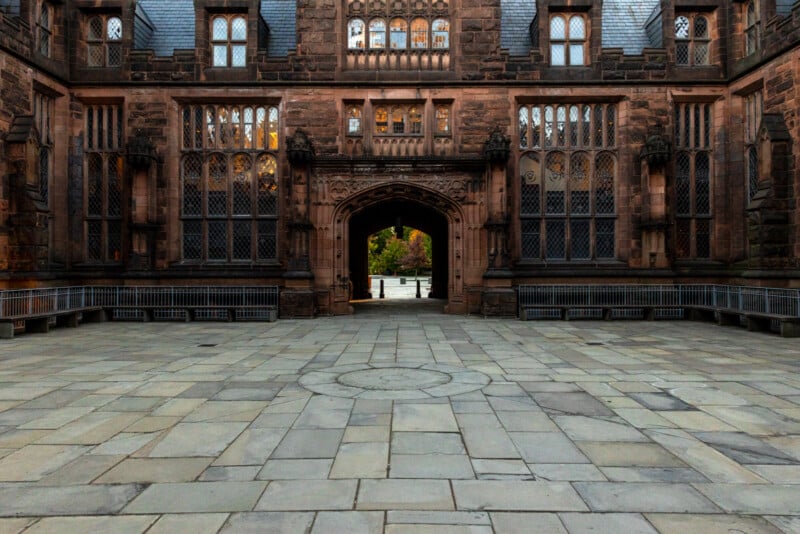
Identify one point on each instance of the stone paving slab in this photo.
(450, 424)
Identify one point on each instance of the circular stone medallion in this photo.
(393, 382)
(394, 378)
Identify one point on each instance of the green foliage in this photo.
(387, 254)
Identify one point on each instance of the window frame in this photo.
(584, 211)
(108, 44)
(230, 43)
(568, 42)
(44, 28)
(411, 117)
(694, 149)
(104, 142)
(692, 41)
(752, 27)
(378, 31)
(244, 141)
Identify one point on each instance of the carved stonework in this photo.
(497, 147)
(140, 152)
(299, 148)
(657, 150)
(338, 188)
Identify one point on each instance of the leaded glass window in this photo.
(752, 121)
(44, 28)
(356, 34)
(229, 183)
(692, 39)
(567, 40)
(104, 41)
(752, 21)
(43, 114)
(693, 185)
(354, 120)
(229, 41)
(103, 173)
(567, 181)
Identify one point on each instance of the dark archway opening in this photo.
(397, 212)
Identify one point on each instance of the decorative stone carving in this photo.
(339, 188)
(497, 147)
(657, 149)
(140, 152)
(299, 148)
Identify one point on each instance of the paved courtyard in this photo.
(400, 420)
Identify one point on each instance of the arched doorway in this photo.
(357, 216)
(398, 213)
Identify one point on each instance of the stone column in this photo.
(297, 297)
(499, 297)
(141, 158)
(654, 158)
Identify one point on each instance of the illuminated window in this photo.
(442, 120)
(104, 41)
(229, 41)
(229, 184)
(356, 37)
(567, 40)
(567, 182)
(354, 126)
(399, 120)
(400, 36)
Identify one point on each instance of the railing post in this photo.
(381, 294)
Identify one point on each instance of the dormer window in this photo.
(567, 40)
(44, 29)
(229, 41)
(692, 39)
(104, 41)
(752, 19)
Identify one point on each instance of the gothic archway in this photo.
(368, 211)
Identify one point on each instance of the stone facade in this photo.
(368, 136)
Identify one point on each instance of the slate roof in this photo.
(515, 21)
(280, 16)
(10, 7)
(784, 7)
(174, 25)
(623, 25)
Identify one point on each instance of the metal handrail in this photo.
(25, 303)
(769, 301)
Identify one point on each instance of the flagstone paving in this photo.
(400, 420)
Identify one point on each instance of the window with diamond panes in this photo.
(43, 109)
(229, 41)
(752, 121)
(567, 181)
(692, 39)
(229, 183)
(103, 171)
(44, 28)
(692, 188)
(567, 40)
(752, 20)
(104, 41)
(398, 33)
(354, 120)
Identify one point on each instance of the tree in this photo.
(416, 257)
(389, 258)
